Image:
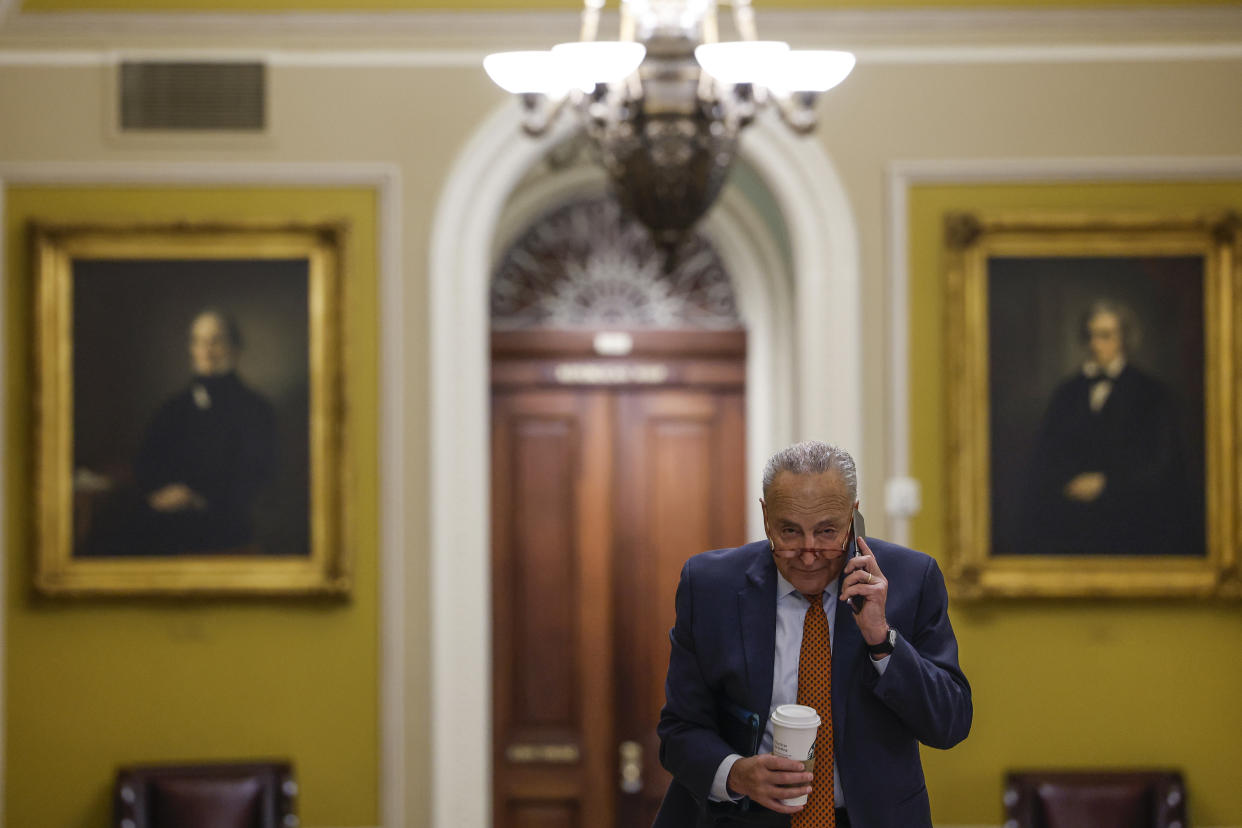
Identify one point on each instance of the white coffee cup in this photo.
(793, 737)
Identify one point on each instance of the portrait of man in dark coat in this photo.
(208, 452)
(191, 413)
(1108, 469)
(204, 458)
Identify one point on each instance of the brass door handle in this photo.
(631, 767)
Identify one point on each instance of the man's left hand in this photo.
(863, 577)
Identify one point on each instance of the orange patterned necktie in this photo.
(815, 690)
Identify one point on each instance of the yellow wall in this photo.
(1072, 683)
(91, 684)
(377, 112)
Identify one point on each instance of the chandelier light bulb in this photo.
(585, 64)
(524, 73)
(742, 61)
(812, 70)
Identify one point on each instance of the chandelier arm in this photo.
(744, 18)
(634, 87)
(590, 19)
(711, 25)
(628, 23)
(708, 90)
(539, 112)
(798, 111)
(744, 103)
(598, 108)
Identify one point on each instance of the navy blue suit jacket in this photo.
(723, 651)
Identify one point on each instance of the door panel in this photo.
(679, 455)
(599, 495)
(551, 608)
(541, 615)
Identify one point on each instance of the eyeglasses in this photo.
(830, 551)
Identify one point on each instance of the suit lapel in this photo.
(846, 651)
(756, 604)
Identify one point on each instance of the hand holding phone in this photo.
(857, 528)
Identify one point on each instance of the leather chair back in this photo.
(1095, 799)
(215, 795)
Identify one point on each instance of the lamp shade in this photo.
(742, 61)
(812, 70)
(526, 72)
(585, 64)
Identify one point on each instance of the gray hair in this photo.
(232, 330)
(1131, 333)
(812, 457)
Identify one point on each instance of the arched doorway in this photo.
(824, 258)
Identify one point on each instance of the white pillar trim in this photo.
(478, 185)
(386, 180)
(763, 291)
(827, 281)
(5, 552)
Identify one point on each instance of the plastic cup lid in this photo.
(795, 715)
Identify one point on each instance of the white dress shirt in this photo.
(791, 607)
(1104, 376)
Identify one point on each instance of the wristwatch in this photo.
(886, 646)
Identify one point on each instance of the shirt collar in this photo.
(1092, 369)
(784, 588)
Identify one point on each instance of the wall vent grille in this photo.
(193, 96)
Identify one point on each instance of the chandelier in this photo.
(662, 105)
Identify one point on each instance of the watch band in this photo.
(886, 646)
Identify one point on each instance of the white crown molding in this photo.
(386, 179)
(906, 174)
(437, 38)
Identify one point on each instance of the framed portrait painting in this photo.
(189, 413)
(1093, 399)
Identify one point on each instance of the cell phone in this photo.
(858, 528)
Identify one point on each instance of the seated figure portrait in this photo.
(205, 457)
(1108, 469)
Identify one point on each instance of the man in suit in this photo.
(743, 616)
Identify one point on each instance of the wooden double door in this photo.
(606, 475)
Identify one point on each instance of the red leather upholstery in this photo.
(217, 795)
(1095, 799)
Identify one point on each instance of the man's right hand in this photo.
(176, 497)
(1086, 487)
(762, 778)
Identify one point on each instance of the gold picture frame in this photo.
(252, 434)
(1042, 500)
